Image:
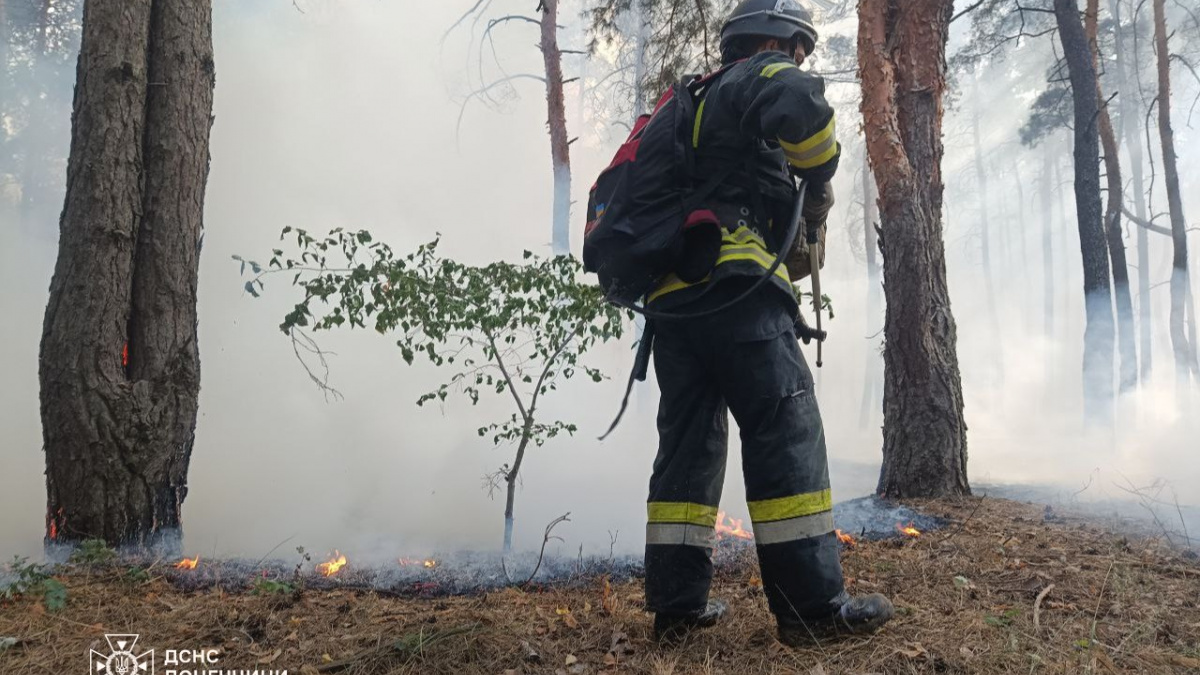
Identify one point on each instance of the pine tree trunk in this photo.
(985, 235)
(1047, 240)
(1183, 323)
(120, 370)
(1097, 289)
(1020, 226)
(1130, 119)
(1126, 340)
(560, 151)
(902, 68)
(1064, 220)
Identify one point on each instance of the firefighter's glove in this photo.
(817, 205)
(805, 332)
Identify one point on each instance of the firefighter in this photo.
(770, 116)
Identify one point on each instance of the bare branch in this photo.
(303, 341)
(537, 390)
(967, 10)
(1181, 59)
(1157, 229)
(508, 378)
(479, 92)
(566, 517)
(466, 15)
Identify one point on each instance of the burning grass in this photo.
(1004, 588)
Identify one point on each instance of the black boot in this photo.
(673, 627)
(859, 616)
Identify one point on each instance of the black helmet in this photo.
(782, 19)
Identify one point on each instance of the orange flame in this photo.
(54, 523)
(428, 563)
(125, 355)
(188, 563)
(908, 531)
(846, 539)
(732, 529)
(332, 567)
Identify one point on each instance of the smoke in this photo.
(345, 115)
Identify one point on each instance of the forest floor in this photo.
(1005, 587)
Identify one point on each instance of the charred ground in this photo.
(1005, 587)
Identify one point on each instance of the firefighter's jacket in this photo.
(772, 120)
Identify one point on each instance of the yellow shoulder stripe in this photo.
(773, 69)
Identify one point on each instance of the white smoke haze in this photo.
(345, 115)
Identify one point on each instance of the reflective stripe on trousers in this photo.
(768, 388)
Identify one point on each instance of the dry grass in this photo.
(1105, 603)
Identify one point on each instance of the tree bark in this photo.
(1097, 289)
(120, 369)
(1183, 324)
(1133, 143)
(560, 150)
(902, 68)
(1126, 340)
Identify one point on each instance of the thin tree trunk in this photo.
(1133, 143)
(641, 43)
(34, 167)
(560, 151)
(1183, 331)
(1047, 240)
(1020, 225)
(511, 478)
(43, 33)
(1064, 234)
(1126, 340)
(903, 73)
(872, 372)
(1097, 289)
(985, 234)
(119, 362)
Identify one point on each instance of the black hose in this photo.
(641, 363)
(789, 239)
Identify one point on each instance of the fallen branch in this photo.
(964, 523)
(1096, 615)
(1037, 607)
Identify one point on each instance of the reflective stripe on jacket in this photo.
(768, 111)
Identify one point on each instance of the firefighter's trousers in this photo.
(767, 386)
